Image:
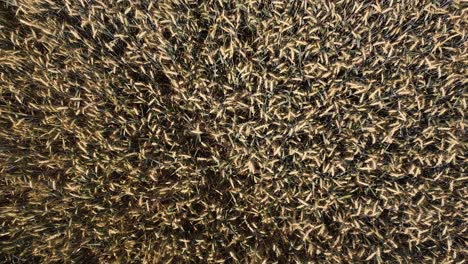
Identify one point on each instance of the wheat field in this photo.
(256, 131)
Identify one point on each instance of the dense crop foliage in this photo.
(233, 131)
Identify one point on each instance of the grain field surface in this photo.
(224, 131)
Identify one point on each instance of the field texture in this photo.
(188, 131)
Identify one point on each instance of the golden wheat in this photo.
(220, 131)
